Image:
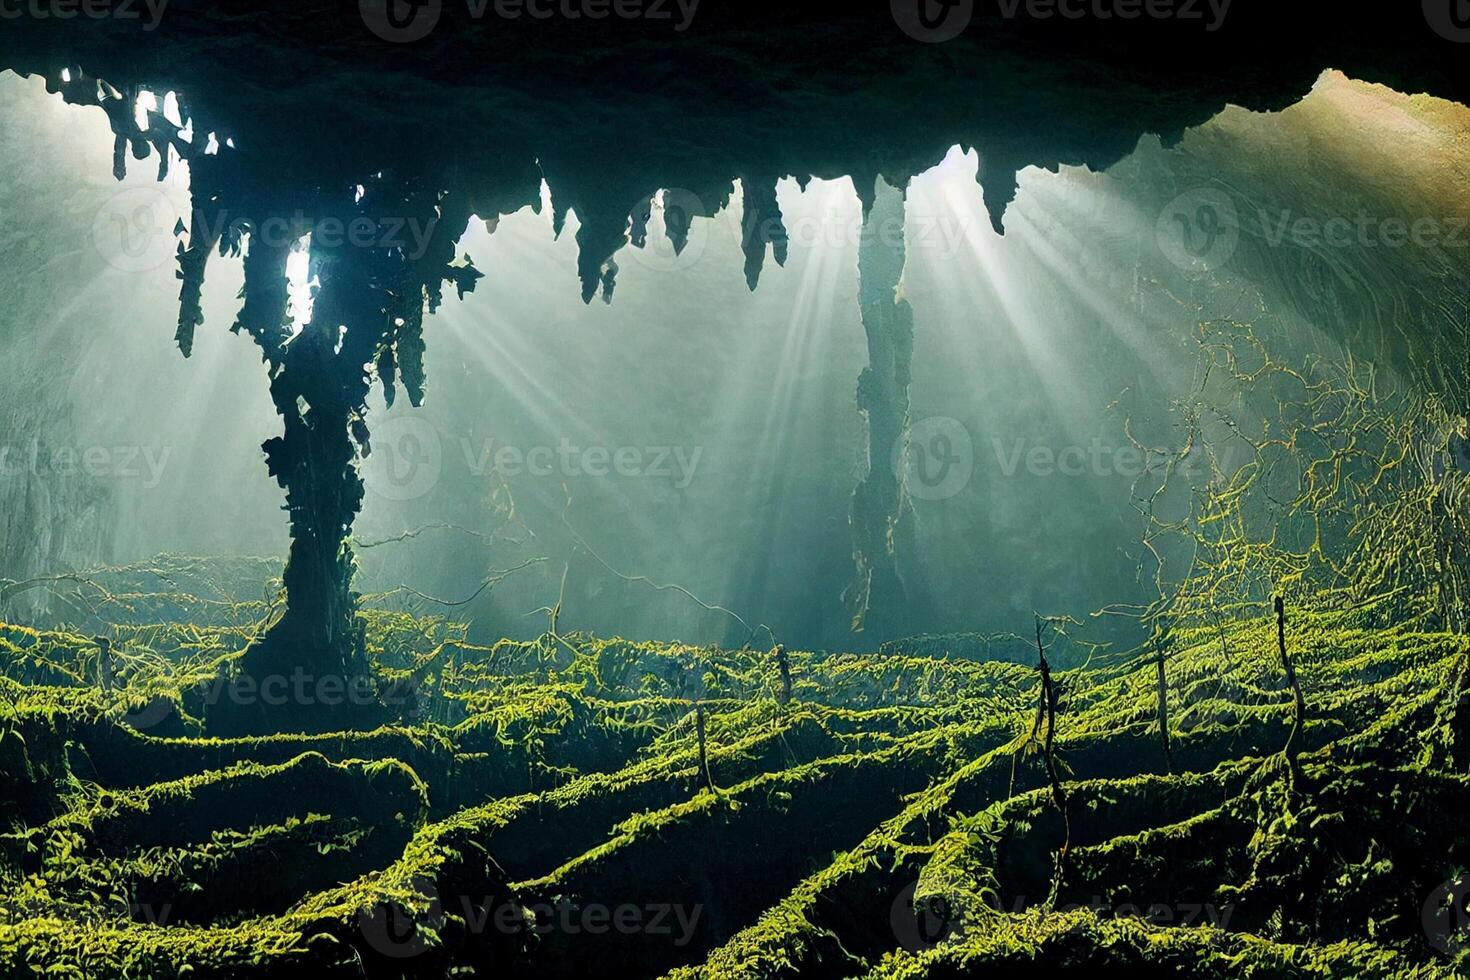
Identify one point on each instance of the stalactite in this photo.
(368, 313)
(877, 598)
(761, 225)
(682, 206)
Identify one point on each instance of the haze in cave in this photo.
(742, 494)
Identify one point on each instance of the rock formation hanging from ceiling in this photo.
(324, 122)
(880, 510)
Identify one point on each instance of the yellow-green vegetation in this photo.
(545, 809)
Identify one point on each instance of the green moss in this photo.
(892, 788)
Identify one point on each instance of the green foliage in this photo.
(893, 788)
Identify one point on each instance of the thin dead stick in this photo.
(490, 582)
(1163, 642)
(783, 664)
(709, 778)
(1058, 794)
(1299, 712)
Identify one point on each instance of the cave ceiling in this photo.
(609, 111)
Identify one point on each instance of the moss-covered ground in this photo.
(541, 810)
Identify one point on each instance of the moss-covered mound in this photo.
(580, 806)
